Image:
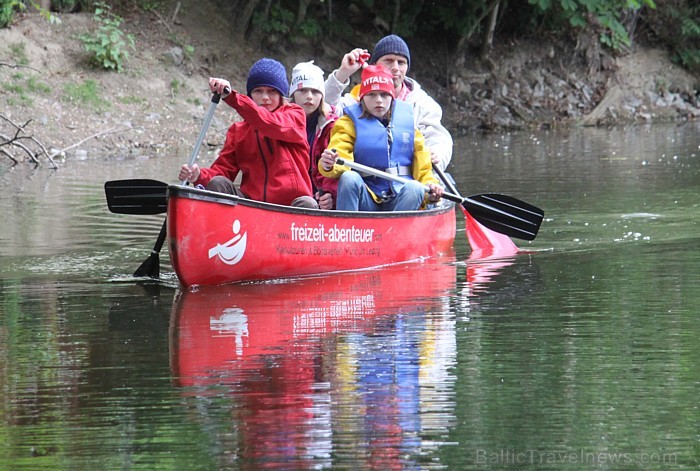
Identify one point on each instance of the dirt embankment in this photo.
(157, 104)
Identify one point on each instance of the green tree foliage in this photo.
(459, 22)
(460, 19)
(689, 49)
(678, 24)
(606, 16)
(8, 8)
(464, 24)
(277, 20)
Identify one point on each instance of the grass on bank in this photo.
(85, 93)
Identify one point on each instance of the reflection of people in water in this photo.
(388, 386)
(282, 418)
(338, 369)
(365, 395)
(393, 388)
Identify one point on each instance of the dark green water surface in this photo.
(582, 352)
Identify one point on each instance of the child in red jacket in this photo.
(269, 147)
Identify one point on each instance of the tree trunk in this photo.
(301, 11)
(487, 42)
(397, 15)
(462, 41)
(242, 21)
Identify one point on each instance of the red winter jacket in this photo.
(269, 148)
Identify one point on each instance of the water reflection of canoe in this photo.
(215, 239)
(231, 327)
(284, 375)
(352, 370)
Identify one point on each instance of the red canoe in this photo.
(215, 239)
(223, 331)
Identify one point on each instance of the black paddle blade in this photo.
(137, 196)
(505, 214)
(150, 267)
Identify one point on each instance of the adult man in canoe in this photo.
(393, 53)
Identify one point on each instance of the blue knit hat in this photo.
(391, 44)
(267, 73)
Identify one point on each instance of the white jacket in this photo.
(427, 114)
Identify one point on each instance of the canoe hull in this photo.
(216, 239)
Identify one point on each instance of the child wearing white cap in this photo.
(306, 90)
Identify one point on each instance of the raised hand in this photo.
(351, 63)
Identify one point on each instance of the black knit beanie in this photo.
(391, 44)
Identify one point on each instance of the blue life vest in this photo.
(374, 148)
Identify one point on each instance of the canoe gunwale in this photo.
(233, 200)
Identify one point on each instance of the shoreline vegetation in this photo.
(64, 97)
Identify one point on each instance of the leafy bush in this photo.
(311, 29)
(279, 20)
(687, 44)
(108, 44)
(7, 11)
(607, 14)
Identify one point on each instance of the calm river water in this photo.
(581, 353)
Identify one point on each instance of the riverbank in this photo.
(157, 104)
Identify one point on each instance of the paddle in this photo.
(151, 266)
(136, 196)
(499, 213)
(483, 241)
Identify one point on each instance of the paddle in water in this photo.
(151, 266)
(500, 213)
(483, 241)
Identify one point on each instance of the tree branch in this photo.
(18, 66)
(15, 141)
(8, 154)
(101, 133)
